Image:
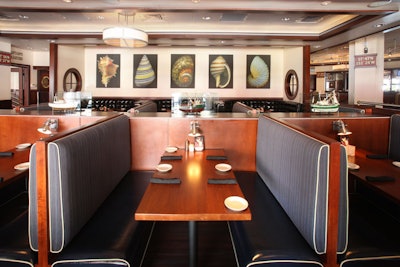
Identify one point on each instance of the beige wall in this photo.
(293, 59)
(70, 57)
(279, 58)
(5, 71)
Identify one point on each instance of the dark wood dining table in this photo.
(194, 198)
(377, 168)
(8, 173)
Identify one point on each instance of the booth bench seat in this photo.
(14, 243)
(373, 235)
(112, 237)
(271, 238)
(288, 197)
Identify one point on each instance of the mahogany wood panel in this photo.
(370, 133)
(150, 136)
(42, 201)
(17, 129)
(333, 204)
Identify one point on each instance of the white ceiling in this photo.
(321, 24)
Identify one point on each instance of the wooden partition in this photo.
(42, 191)
(330, 257)
(151, 135)
(369, 132)
(17, 128)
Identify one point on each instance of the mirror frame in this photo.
(291, 89)
(78, 77)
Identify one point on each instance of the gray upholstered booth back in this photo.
(295, 167)
(394, 137)
(83, 169)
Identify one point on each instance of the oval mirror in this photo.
(291, 84)
(72, 80)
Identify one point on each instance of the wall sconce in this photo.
(49, 126)
(341, 128)
(343, 134)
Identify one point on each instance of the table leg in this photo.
(192, 244)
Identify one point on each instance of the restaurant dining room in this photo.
(199, 133)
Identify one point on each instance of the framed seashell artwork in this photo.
(220, 71)
(108, 70)
(144, 71)
(258, 71)
(182, 71)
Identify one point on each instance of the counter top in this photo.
(35, 112)
(218, 115)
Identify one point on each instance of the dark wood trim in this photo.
(333, 204)
(53, 70)
(42, 202)
(40, 67)
(306, 78)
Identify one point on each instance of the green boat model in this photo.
(328, 105)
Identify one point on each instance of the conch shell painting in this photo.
(182, 72)
(258, 75)
(145, 74)
(107, 68)
(221, 72)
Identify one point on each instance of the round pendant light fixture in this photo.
(124, 36)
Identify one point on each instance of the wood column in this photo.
(53, 70)
(306, 78)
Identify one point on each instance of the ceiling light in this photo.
(379, 3)
(67, 1)
(325, 3)
(125, 36)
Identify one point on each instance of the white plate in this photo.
(236, 203)
(22, 146)
(22, 166)
(352, 166)
(164, 167)
(171, 149)
(396, 163)
(223, 167)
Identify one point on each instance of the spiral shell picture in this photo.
(145, 74)
(107, 68)
(221, 72)
(182, 72)
(258, 73)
